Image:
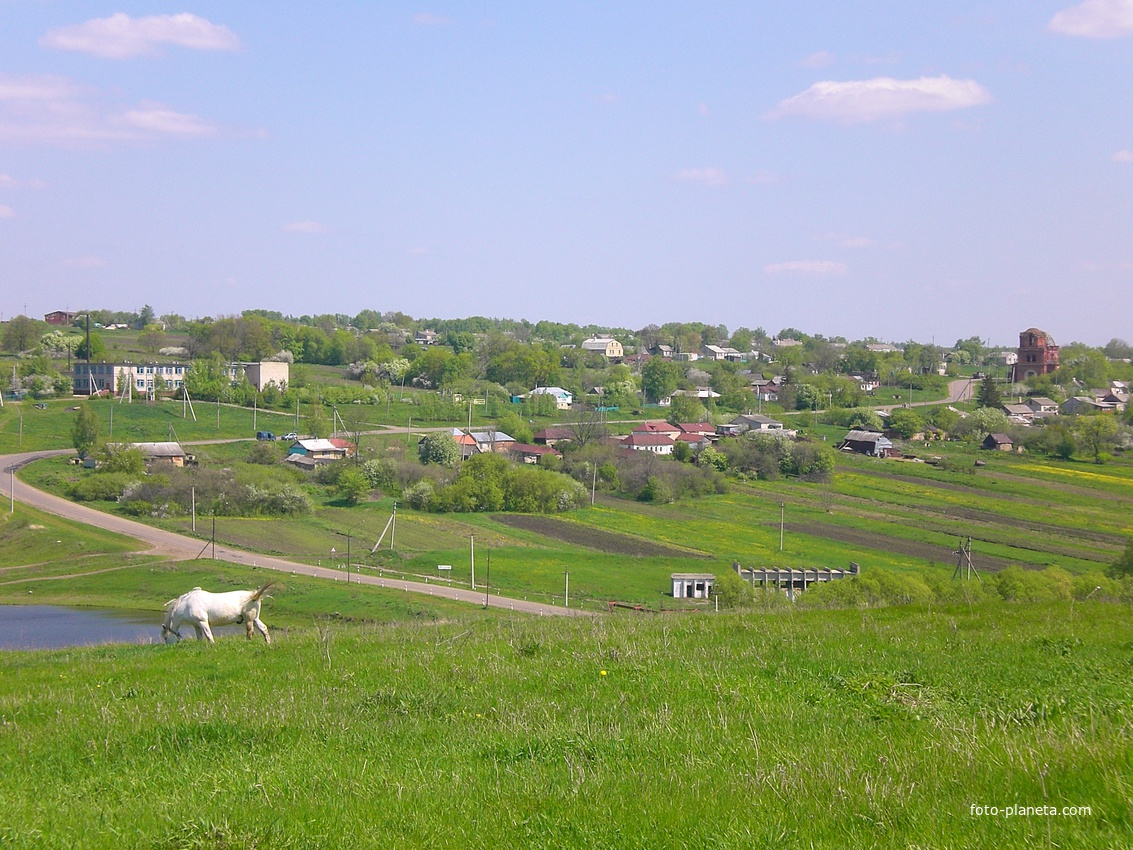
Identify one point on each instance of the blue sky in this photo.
(904, 170)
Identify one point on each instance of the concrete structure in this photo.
(266, 372)
(692, 585)
(1038, 355)
(145, 378)
(790, 581)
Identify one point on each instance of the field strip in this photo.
(615, 543)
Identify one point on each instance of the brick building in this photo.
(1038, 355)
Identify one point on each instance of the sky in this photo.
(899, 170)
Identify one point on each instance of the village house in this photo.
(755, 422)
(426, 337)
(491, 441)
(1080, 404)
(527, 453)
(563, 398)
(163, 454)
(660, 444)
(870, 443)
(264, 372)
(665, 352)
(607, 346)
(552, 435)
(320, 450)
(658, 426)
(59, 317)
(998, 442)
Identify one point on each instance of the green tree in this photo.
(84, 432)
(1123, 566)
(686, 409)
(659, 378)
(1097, 436)
(21, 333)
(906, 422)
(352, 487)
(989, 394)
(440, 449)
(97, 348)
(151, 339)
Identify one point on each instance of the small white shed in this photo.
(692, 585)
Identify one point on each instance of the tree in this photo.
(97, 348)
(84, 433)
(352, 487)
(906, 422)
(151, 339)
(686, 409)
(989, 394)
(659, 378)
(1096, 436)
(1123, 566)
(21, 333)
(440, 449)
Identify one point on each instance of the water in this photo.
(52, 627)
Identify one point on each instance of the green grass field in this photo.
(801, 729)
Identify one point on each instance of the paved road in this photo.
(168, 544)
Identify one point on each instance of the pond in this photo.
(54, 627)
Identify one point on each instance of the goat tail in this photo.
(260, 593)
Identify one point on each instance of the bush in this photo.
(101, 487)
(1018, 585)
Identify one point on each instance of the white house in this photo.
(563, 398)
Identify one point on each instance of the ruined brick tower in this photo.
(1038, 355)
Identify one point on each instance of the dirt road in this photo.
(168, 544)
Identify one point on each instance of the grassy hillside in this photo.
(803, 729)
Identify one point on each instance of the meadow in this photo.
(880, 728)
(379, 719)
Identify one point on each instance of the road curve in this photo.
(168, 544)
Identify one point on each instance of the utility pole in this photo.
(566, 588)
(472, 558)
(782, 516)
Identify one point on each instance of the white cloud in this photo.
(121, 37)
(822, 268)
(7, 212)
(882, 97)
(305, 227)
(36, 88)
(704, 176)
(167, 122)
(1095, 19)
(1123, 156)
(55, 111)
(821, 59)
(428, 19)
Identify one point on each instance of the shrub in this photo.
(101, 487)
